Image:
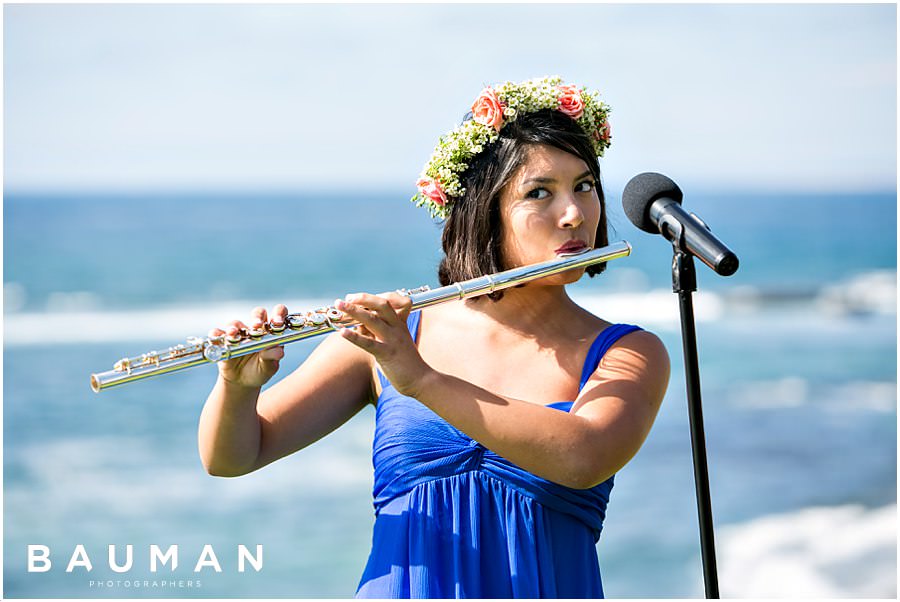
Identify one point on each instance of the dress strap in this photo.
(606, 339)
(412, 323)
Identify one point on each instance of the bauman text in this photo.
(39, 559)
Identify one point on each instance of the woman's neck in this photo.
(531, 310)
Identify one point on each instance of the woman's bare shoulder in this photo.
(639, 355)
(645, 343)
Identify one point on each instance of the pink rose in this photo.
(432, 189)
(487, 109)
(570, 101)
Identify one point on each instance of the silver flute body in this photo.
(298, 326)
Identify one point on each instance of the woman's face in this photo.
(548, 208)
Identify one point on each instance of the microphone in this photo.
(653, 203)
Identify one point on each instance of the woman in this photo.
(500, 421)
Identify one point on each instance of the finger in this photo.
(377, 304)
(368, 318)
(235, 329)
(367, 300)
(260, 316)
(402, 304)
(272, 353)
(215, 332)
(279, 314)
(355, 336)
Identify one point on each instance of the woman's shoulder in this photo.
(629, 337)
(644, 342)
(639, 354)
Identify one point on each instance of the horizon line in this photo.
(408, 191)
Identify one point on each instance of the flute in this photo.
(197, 351)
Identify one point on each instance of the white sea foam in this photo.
(174, 324)
(780, 393)
(870, 292)
(74, 301)
(793, 391)
(167, 325)
(70, 475)
(656, 308)
(823, 552)
(75, 317)
(14, 296)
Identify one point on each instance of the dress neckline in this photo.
(564, 406)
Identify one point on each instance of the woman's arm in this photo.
(582, 448)
(242, 430)
(605, 428)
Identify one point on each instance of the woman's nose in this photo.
(572, 215)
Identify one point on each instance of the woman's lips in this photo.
(573, 246)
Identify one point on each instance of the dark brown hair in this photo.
(471, 238)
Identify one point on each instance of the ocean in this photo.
(798, 361)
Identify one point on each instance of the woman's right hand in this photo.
(256, 369)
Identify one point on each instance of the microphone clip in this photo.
(684, 274)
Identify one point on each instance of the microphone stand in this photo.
(684, 283)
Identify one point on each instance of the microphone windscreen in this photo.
(639, 194)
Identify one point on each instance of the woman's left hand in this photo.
(382, 332)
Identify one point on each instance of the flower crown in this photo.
(495, 107)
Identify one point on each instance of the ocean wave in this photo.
(818, 552)
(794, 391)
(780, 393)
(871, 292)
(174, 324)
(655, 308)
(70, 475)
(165, 325)
(77, 317)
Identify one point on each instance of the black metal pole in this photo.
(684, 283)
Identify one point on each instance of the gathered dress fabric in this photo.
(455, 520)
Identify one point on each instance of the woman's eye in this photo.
(585, 186)
(538, 193)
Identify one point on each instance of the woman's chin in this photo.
(561, 279)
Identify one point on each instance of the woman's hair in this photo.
(472, 233)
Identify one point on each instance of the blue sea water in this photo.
(798, 356)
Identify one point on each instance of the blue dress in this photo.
(455, 520)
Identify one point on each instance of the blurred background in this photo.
(169, 167)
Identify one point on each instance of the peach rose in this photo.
(432, 189)
(603, 132)
(487, 109)
(570, 101)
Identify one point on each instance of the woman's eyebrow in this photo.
(539, 180)
(543, 180)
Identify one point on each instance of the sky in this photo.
(350, 98)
